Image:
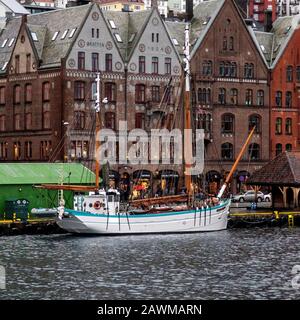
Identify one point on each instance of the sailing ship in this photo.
(100, 211)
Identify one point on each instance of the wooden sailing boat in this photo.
(99, 212)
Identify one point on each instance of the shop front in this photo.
(168, 183)
(142, 180)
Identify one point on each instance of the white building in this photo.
(162, 5)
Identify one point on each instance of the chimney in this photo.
(189, 10)
(268, 20)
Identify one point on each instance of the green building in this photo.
(18, 181)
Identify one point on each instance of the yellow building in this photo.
(122, 5)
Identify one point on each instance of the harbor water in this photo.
(254, 263)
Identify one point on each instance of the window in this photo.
(204, 122)
(249, 70)
(112, 24)
(140, 92)
(81, 60)
(204, 96)
(3, 150)
(278, 126)
(17, 64)
(167, 65)
(79, 149)
(110, 91)
(288, 147)
(278, 98)
(28, 150)
(45, 149)
(118, 37)
(2, 122)
(222, 69)
(64, 34)
(207, 68)
(34, 36)
(278, 149)
(227, 151)
(55, 35)
(79, 120)
(233, 70)
(131, 37)
(110, 120)
(254, 120)
(142, 64)
(260, 98)
(234, 96)
(155, 94)
(4, 43)
(72, 33)
(28, 121)
(93, 32)
(288, 99)
(140, 120)
(46, 119)
(298, 73)
(95, 61)
(28, 62)
(46, 91)
(254, 151)
(227, 123)
(79, 90)
(175, 42)
(222, 96)
(249, 97)
(155, 65)
(288, 126)
(224, 43)
(17, 94)
(2, 95)
(28, 93)
(231, 44)
(17, 150)
(289, 73)
(108, 62)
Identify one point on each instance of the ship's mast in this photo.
(98, 127)
(187, 114)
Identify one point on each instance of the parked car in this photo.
(268, 197)
(249, 196)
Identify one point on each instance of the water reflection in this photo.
(234, 264)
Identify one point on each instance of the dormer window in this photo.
(55, 35)
(118, 37)
(11, 42)
(131, 38)
(175, 42)
(4, 66)
(34, 36)
(72, 32)
(4, 43)
(64, 34)
(112, 24)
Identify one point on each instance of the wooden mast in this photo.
(235, 163)
(187, 115)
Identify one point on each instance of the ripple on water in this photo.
(251, 263)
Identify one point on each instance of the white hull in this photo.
(213, 219)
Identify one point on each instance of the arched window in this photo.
(227, 69)
(231, 44)
(46, 91)
(278, 149)
(233, 69)
(288, 147)
(222, 69)
(227, 151)
(207, 68)
(227, 123)
(288, 99)
(200, 97)
(204, 122)
(278, 126)
(278, 98)
(249, 97)
(140, 93)
(234, 96)
(254, 151)
(222, 96)
(260, 98)
(289, 73)
(224, 43)
(249, 70)
(17, 94)
(254, 120)
(288, 126)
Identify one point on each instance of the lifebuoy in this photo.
(97, 205)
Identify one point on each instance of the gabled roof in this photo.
(282, 170)
(14, 6)
(37, 173)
